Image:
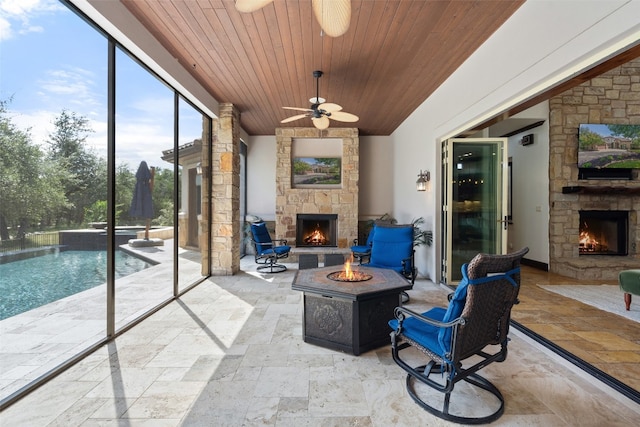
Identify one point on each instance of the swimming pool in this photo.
(33, 282)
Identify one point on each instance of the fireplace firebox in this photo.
(603, 232)
(313, 230)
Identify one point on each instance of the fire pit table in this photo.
(349, 316)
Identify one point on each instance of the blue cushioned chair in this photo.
(478, 316)
(268, 251)
(392, 248)
(362, 252)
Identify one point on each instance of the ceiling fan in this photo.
(333, 16)
(321, 111)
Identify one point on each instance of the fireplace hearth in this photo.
(603, 232)
(316, 230)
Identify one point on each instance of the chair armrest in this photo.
(401, 313)
(282, 242)
(262, 244)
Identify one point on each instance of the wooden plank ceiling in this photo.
(394, 55)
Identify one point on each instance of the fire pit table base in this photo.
(349, 316)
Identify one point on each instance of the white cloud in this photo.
(5, 29)
(76, 85)
(15, 15)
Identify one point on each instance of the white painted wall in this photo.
(376, 177)
(530, 171)
(543, 43)
(261, 177)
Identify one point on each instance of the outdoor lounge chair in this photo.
(268, 251)
(392, 248)
(362, 252)
(455, 340)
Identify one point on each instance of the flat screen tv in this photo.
(602, 146)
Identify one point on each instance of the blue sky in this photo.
(52, 60)
(601, 130)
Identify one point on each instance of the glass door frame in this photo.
(499, 178)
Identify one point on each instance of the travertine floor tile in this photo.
(230, 353)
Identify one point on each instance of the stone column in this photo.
(205, 162)
(225, 190)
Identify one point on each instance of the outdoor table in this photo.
(349, 316)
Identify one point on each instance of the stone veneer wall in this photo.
(612, 98)
(225, 191)
(342, 201)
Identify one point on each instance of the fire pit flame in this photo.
(349, 275)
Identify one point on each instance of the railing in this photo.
(30, 241)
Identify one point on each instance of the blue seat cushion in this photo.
(361, 249)
(423, 333)
(366, 248)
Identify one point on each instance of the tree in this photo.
(163, 196)
(589, 140)
(86, 182)
(30, 186)
(628, 131)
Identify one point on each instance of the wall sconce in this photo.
(199, 168)
(423, 179)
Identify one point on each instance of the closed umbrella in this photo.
(142, 204)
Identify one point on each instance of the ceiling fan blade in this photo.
(294, 118)
(320, 122)
(297, 109)
(334, 16)
(341, 116)
(329, 107)
(251, 5)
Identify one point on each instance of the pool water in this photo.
(30, 283)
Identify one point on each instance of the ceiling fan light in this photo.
(334, 16)
(248, 6)
(317, 100)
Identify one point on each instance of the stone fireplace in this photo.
(603, 233)
(316, 230)
(339, 201)
(613, 204)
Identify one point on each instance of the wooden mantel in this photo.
(588, 189)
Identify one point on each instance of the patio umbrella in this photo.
(142, 204)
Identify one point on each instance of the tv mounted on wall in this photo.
(317, 172)
(608, 150)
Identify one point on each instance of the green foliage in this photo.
(97, 212)
(628, 131)
(420, 236)
(30, 186)
(300, 167)
(589, 140)
(85, 180)
(165, 216)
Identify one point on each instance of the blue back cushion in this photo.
(454, 310)
(391, 245)
(261, 235)
(370, 236)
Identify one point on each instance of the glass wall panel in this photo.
(53, 190)
(190, 162)
(144, 188)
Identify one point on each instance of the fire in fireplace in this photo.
(603, 232)
(316, 230)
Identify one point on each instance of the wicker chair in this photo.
(478, 316)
